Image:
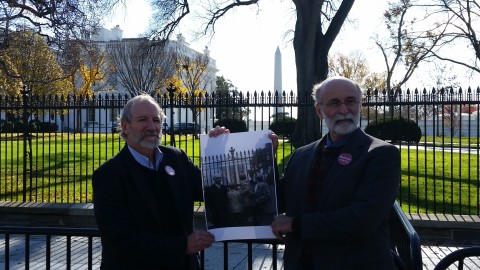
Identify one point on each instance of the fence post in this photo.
(171, 91)
(25, 91)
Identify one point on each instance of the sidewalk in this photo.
(432, 253)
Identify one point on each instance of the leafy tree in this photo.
(375, 80)
(192, 73)
(353, 66)
(9, 85)
(141, 65)
(229, 101)
(90, 76)
(88, 67)
(34, 65)
(56, 21)
(318, 22)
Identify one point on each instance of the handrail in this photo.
(405, 240)
(61, 231)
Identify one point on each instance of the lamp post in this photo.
(171, 92)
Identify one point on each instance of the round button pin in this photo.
(169, 170)
(345, 158)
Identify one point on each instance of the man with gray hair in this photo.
(144, 197)
(338, 191)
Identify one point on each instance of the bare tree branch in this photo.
(140, 66)
(167, 16)
(458, 29)
(220, 11)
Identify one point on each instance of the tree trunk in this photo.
(311, 47)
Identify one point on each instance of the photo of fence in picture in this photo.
(239, 185)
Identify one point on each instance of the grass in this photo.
(439, 182)
(62, 164)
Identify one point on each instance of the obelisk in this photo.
(277, 83)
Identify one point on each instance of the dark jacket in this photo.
(349, 230)
(128, 217)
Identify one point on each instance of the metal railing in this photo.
(47, 252)
(405, 240)
(49, 146)
(81, 246)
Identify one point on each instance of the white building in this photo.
(101, 120)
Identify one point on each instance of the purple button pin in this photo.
(345, 158)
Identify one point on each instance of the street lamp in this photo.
(171, 93)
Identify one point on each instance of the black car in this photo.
(165, 128)
(115, 127)
(186, 128)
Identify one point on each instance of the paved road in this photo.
(440, 149)
(237, 255)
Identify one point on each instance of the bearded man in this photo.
(143, 197)
(338, 191)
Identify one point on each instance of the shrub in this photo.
(39, 126)
(395, 130)
(48, 127)
(283, 126)
(234, 125)
(18, 126)
(3, 125)
(34, 125)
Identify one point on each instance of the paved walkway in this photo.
(262, 259)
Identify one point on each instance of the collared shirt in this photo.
(145, 161)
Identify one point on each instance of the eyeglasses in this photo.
(335, 104)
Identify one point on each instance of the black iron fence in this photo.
(73, 248)
(49, 145)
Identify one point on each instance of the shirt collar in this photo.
(145, 161)
(337, 144)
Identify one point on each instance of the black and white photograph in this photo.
(239, 185)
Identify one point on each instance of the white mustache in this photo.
(339, 117)
(151, 134)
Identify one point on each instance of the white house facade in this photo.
(99, 120)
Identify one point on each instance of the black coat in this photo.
(128, 217)
(350, 229)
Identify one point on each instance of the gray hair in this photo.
(320, 87)
(127, 110)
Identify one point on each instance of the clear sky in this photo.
(245, 41)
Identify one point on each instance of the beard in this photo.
(343, 124)
(143, 142)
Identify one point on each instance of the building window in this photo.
(91, 115)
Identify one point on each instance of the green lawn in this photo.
(62, 165)
(440, 181)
